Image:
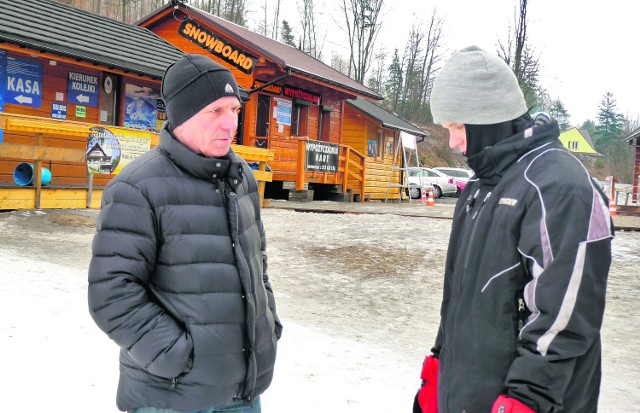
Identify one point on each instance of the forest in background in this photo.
(404, 77)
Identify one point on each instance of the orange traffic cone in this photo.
(613, 210)
(423, 195)
(430, 199)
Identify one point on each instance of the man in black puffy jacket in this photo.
(528, 257)
(178, 277)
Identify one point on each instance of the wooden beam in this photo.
(42, 153)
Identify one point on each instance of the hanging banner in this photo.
(217, 47)
(322, 156)
(111, 149)
(24, 82)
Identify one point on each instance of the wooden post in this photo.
(364, 174)
(262, 166)
(89, 188)
(37, 173)
(345, 182)
(300, 165)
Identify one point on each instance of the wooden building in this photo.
(382, 146)
(295, 104)
(578, 141)
(61, 63)
(634, 140)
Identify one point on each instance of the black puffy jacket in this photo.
(179, 281)
(525, 281)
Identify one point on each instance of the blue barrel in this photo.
(23, 175)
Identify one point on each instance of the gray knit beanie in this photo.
(477, 88)
(193, 82)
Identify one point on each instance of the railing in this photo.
(289, 165)
(37, 152)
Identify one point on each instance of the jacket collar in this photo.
(492, 162)
(228, 167)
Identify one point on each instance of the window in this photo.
(324, 125)
(262, 121)
(573, 145)
(299, 117)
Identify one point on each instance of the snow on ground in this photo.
(359, 297)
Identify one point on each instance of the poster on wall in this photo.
(372, 146)
(283, 111)
(111, 149)
(141, 107)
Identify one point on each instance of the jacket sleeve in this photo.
(124, 251)
(265, 279)
(565, 242)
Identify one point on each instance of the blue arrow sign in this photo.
(3, 73)
(82, 89)
(24, 82)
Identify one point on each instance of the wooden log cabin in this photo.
(65, 65)
(382, 146)
(296, 105)
(633, 139)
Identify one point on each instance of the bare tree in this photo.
(519, 55)
(339, 63)
(309, 40)
(276, 17)
(432, 56)
(362, 28)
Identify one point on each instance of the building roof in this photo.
(633, 137)
(583, 144)
(67, 31)
(286, 56)
(387, 118)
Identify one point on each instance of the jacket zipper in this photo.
(473, 230)
(521, 313)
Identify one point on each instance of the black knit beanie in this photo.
(193, 82)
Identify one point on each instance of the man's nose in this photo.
(230, 122)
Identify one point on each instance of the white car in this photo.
(460, 175)
(428, 177)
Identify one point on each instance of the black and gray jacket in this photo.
(179, 281)
(525, 281)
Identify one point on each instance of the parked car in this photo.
(460, 175)
(428, 177)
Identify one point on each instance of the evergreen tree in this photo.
(611, 124)
(393, 83)
(286, 34)
(559, 113)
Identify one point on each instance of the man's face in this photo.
(211, 130)
(457, 136)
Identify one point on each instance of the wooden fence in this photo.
(40, 150)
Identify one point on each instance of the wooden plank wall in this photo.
(357, 129)
(54, 80)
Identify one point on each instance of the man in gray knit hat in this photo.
(178, 277)
(528, 258)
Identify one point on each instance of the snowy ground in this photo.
(359, 296)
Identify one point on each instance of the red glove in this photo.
(504, 404)
(428, 394)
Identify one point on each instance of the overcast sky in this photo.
(585, 48)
